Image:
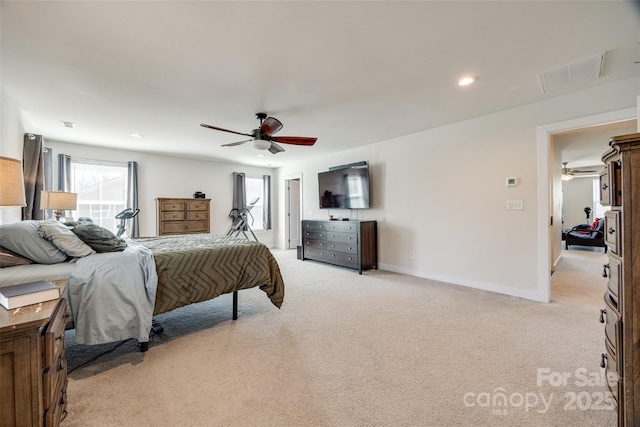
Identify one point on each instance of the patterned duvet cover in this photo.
(198, 267)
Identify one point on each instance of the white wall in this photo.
(165, 176)
(12, 133)
(441, 193)
(578, 194)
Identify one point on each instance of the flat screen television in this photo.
(344, 188)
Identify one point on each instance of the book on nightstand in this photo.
(27, 293)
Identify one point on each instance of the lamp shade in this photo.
(58, 200)
(11, 183)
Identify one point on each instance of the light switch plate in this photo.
(515, 204)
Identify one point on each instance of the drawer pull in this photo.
(611, 230)
(604, 357)
(604, 270)
(602, 313)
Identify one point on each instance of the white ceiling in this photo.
(349, 73)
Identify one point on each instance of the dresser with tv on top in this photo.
(351, 244)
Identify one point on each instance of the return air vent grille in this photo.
(576, 72)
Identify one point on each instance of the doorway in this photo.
(549, 167)
(293, 211)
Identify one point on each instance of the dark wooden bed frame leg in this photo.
(144, 346)
(235, 305)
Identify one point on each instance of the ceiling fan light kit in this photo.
(263, 139)
(261, 144)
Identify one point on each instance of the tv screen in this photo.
(346, 188)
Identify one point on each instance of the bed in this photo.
(112, 296)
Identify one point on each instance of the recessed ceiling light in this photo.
(465, 81)
(135, 135)
(68, 124)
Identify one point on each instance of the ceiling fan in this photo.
(568, 174)
(263, 139)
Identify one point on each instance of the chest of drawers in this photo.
(183, 216)
(351, 244)
(620, 189)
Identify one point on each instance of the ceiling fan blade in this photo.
(582, 171)
(224, 130)
(233, 144)
(275, 148)
(270, 126)
(295, 140)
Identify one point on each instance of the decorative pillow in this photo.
(11, 259)
(24, 239)
(99, 238)
(64, 239)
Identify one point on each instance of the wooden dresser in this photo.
(351, 244)
(183, 216)
(620, 189)
(33, 366)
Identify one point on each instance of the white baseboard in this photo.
(491, 287)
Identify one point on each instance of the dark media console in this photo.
(351, 244)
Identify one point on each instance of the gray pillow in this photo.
(64, 239)
(24, 239)
(99, 238)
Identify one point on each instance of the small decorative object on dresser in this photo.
(33, 367)
(620, 189)
(351, 244)
(183, 216)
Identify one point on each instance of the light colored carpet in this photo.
(381, 349)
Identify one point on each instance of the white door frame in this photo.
(543, 162)
(287, 218)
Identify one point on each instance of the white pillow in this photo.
(64, 239)
(24, 239)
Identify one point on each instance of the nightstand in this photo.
(33, 366)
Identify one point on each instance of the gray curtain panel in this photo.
(132, 197)
(239, 195)
(47, 155)
(266, 203)
(64, 173)
(33, 168)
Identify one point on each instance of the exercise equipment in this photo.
(240, 223)
(123, 216)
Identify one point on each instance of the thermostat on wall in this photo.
(512, 182)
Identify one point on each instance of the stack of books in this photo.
(27, 293)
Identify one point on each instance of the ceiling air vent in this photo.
(576, 72)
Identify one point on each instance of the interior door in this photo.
(293, 213)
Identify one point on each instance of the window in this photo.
(102, 191)
(254, 187)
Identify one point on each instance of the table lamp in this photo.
(58, 201)
(11, 183)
